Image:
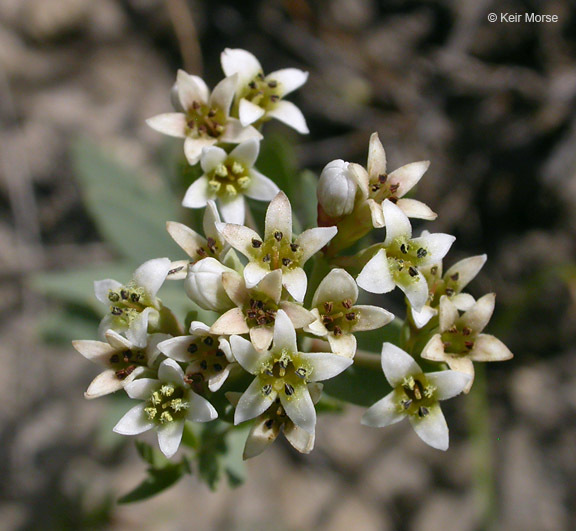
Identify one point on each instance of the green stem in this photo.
(368, 360)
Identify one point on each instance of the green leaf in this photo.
(150, 455)
(305, 202)
(233, 459)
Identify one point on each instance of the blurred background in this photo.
(492, 105)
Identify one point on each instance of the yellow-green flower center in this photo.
(127, 302)
(203, 121)
(277, 252)
(415, 396)
(380, 188)
(229, 178)
(262, 92)
(260, 311)
(207, 359)
(338, 317)
(404, 257)
(167, 404)
(124, 362)
(459, 339)
(286, 373)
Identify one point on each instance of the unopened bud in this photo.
(336, 189)
(204, 285)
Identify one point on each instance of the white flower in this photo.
(397, 263)
(460, 341)
(133, 306)
(336, 189)
(204, 285)
(168, 403)
(256, 309)
(277, 250)
(283, 373)
(228, 177)
(123, 360)
(451, 285)
(376, 185)
(260, 97)
(205, 119)
(209, 356)
(415, 395)
(337, 316)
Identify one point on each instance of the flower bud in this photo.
(204, 285)
(336, 189)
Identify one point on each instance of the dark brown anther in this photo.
(272, 83)
(116, 311)
(286, 262)
(262, 320)
(256, 243)
(209, 341)
(413, 271)
(326, 319)
(134, 297)
(203, 365)
(124, 294)
(328, 307)
(201, 252)
(278, 235)
(453, 329)
(382, 178)
(294, 247)
(259, 304)
(337, 331)
(300, 372)
(393, 200)
(269, 423)
(288, 389)
(127, 355)
(195, 105)
(351, 316)
(283, 363)
(421, 253)
(260, 75)
(404, 248)
(266, 258)
(267, 389)
(447, 344)
(211, 113)
(406, 403)
(274, 98)
(114, 358)
(434, 270)
(450, 292)
(251, 314)
(423, 411)
(211, 244)
(347, 303)
(466, 331)
(375, 187)
(455, 276)
(252, 85)
(217, 367)
(193, 347)
(113, 297)
(220, 353)
(469, 344)
(269, 372)
(394, 188)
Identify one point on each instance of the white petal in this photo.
(197, 194)
(300, 408)
(416, 291)
(254, 273)
(259, 438)
(232, 322)
(312, 240)
(489, 348)
(249, 112)
(376, 214)
(288, 113)
(200, 409)
(397, 364)
(235, 132)
(343, 345)
(448, 313)
(152, 274)
(407, 176)
(170, 371)
(271, 285)
(216, 381)
(235, 288)
(246, 152)
(105, 383)
(133, 422)
(223, 93)
(316, 327)
(142, 388)
(299, 315)
(169, 123)
(289, 79)
(170, 436)
(371, 317)
(448, 383)
(261, 337)
(416, 209)
(375, 276)
(253, 402)
(295, 282)
(193, 148)
(479, 315)
(463, 301)
(279, 217)
(437, 245)
(190, 241)
(233, 209)
(246, 355)
(397, 223)
(466, 269)
(432, 428)
(376, 157)
(241, 62)
(300, 439)
(383, 413)
(103, 287)
(337, 286)
(434, 349)
(138, 330)
(212, 157)
(96, 351)
(422, 318)
(177, 347)
(190, 89)
(325, 365)
(211, 217)
(361, 177)
(284, 334)
(224, 346)
(239, 237)
(261, 188)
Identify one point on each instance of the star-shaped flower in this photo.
(228, 177)
(397, 263)
(260, 97)
(205, 119)
(460, 341)
(415, 395)
(256, 309)
(168, 404)
(284, 373)
(376, 185)
(337, 316)
(277, 250)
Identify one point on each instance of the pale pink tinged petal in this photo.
(416, 291)
(190, 89)
(300, 439)
(437, 246)
(223, 93)
(117, 341)
(211, 158)
(170, 371)
(253, 402)
(261, 337)
(466, 270)
(169, 123)
(479, 315)
(170, 436)
(137, 333)
(177, 347)
(134, 422)
(337, 286)
(463, 301)
(397, 223)
(383, 413)
(193, 148)
(232, 322)
(489, 348)
(142, 388)
(371, 317)
(225, 347)
(197, 194)
(316, 327)
(376, 157)
(325, 365)
(360, 176)
(246, 355)
(462, 365)
(299, 315)
(105, 383)
(289, 114)
(239, 237)
(343, 345)
(216, 381)
(235, 288)
(422, 318)
(432, 428)
(448, 383)
(249, 112)
(408, 176)
(261, 188)
(235, 132)
(233, 209)
(397, 364)
(200, 409)
(189, 240)
(271, 285)
(152, 274)
(416, 209)
(289, 79)
(254, 273)
(211, 217)
(448, 313)
(376, 214)
(300, 409)
(279, 217)
(284, 334)
(103, 287)
(259, 438)
(312, 240)
(241, 62)
(434, 349)
(246, 152)
(96, 351)
(295, 282)
(178, 270)
(375, 277)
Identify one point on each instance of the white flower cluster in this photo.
(278, 330)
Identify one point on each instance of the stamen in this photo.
(404, 248)
(266, 258)
(351, 316)
(294, 247)
(267, 389)
(421, 253)
(113, 297)
(193, 347)
(286, 262)
(382, 178)
(116, 311)
(455, 276)
(450, 292)
(288, 389)
(208, 341)
(413, 271)
(256, 243)
(423, 411)
(278, 235)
